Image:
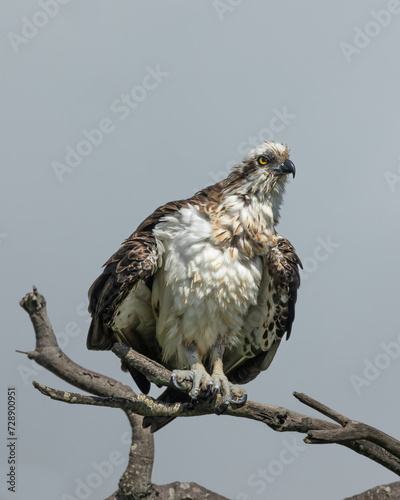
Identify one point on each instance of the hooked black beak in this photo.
(287, 167)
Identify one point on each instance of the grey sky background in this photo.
(226, 75)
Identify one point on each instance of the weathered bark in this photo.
(384, 492)
(135, 482)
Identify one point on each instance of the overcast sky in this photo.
(111, 109)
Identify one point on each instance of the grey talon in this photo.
(210, 390)
(240, 402)
(225, 405)
(175, 382)
(222, 408)
(213, 395)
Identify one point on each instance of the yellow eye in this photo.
(262, 160)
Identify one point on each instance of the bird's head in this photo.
(270, 158)
(263, 174)
(263, 169)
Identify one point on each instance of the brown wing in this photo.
(135, 260)
(283, 281)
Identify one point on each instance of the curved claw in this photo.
(216, 388)
(175, 382)
(210, 390)
(240, 402)
(214, 395)
(224, 405)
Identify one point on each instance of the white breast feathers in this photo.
(201, 291)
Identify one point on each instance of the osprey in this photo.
(205, 286)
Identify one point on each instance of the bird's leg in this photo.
(197, 374)
(202, 381)
(219, 382)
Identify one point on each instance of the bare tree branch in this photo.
(350, 431)
(321, 408)
(48, 354)
(384, 492)
(278, 418)
(175, 491)
(136, 480)
(354, 435)
(155, 372)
